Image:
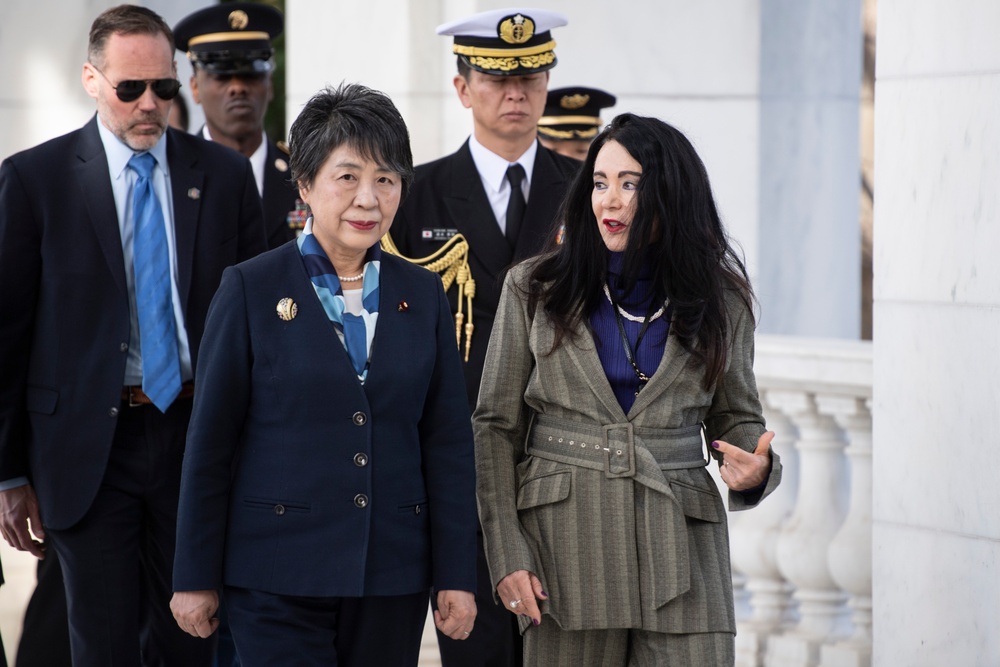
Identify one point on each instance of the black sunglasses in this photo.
(131, 90)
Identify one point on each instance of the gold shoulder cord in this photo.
(452, 262)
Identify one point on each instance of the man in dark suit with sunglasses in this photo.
(113, 239)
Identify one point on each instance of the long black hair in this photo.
(675, 224)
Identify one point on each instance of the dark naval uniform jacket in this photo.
(447, 197)
(298, 479)
(280, 198)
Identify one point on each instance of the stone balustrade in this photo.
(802, 559)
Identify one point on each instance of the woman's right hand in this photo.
(520, 591)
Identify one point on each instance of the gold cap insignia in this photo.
(516, 29)
(194, 193)
(238, 19)
(574, 101)
(281, 165)
(287, 309)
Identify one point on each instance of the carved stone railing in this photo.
(802, 559)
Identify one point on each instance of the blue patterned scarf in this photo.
(356, 332)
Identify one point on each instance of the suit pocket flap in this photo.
(41, 399)
(698, 503)
(544, 490)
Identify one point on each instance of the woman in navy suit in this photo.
(328, 480)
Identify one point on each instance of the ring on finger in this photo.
(514, 603)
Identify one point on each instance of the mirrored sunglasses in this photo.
(131, 90)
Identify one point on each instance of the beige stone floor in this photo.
(19, 572)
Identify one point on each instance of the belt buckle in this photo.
(628, 451)
(131, 401)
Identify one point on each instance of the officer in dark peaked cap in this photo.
(572, 119)
(229, 46)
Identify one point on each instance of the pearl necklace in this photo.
(629, 316)
(351, 279)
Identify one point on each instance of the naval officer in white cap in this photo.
(501, 190)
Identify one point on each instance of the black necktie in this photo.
(515, 205)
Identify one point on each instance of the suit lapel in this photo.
(584, 355)
(99, 199)
(470, 211)
(187, 185)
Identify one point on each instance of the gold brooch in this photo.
(287, 309)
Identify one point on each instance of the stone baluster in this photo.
(850, 551)
(754, 539)
(804, 541)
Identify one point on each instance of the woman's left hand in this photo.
(742, 470)
(456, 613)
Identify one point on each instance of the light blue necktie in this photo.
(161, 368)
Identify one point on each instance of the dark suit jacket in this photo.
(279, 197)
(64, 338)
(449, 194)
(284, 441)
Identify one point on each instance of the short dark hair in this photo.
(352, 115)
(124, 20)
(463, 67)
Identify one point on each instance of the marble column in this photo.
(809, 280)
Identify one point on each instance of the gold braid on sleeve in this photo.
(451, 261)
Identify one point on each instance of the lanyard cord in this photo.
(642, 377)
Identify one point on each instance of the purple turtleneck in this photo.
(608, 340)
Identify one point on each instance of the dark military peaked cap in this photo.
(506, 42)
(574, 113)
(231, 38)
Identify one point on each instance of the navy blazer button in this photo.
(360, 459)
(361, 500)
(360, 418)
(123, 347)
(279, 509)
(113, 412)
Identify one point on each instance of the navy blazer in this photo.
(448, 194)
(298, 479)
(64, 336)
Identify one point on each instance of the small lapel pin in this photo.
(403, 307)
(281, 165)
(287, 309)
(194, 193)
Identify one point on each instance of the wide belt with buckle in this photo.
(135, 396)
(613, 448)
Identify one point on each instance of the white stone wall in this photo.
(43, 45)
(936, 551)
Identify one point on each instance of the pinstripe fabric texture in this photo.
(551, 646)
(648, 551)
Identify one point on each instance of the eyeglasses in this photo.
(133, 89)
